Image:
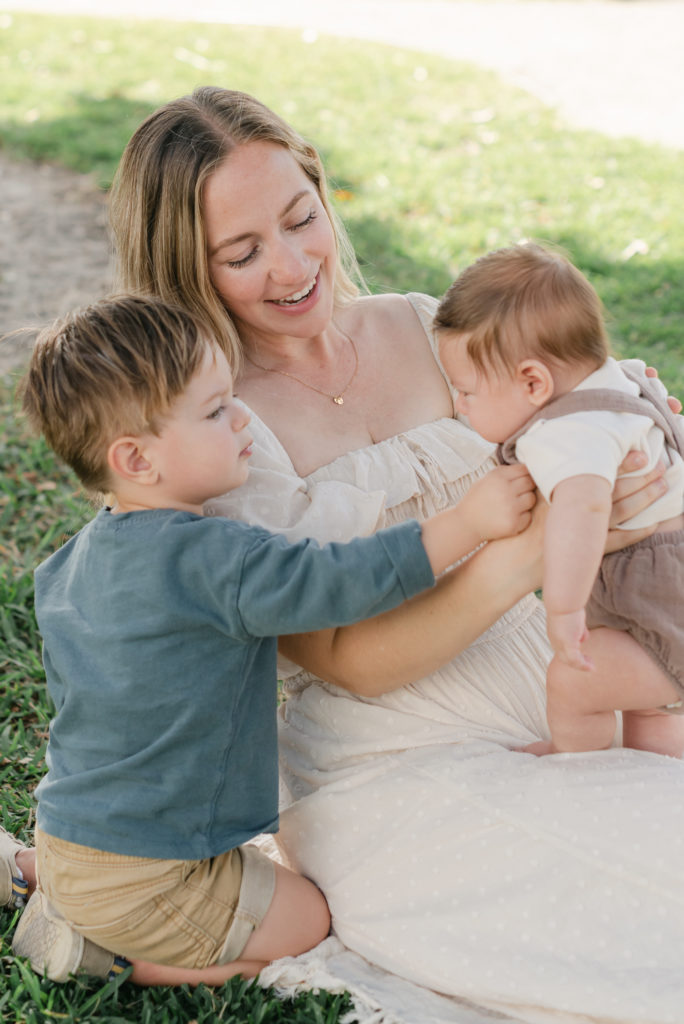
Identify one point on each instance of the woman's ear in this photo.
(537, 381)
(127, 458)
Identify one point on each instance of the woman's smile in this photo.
(301, 301)
(297, 297)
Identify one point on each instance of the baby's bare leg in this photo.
(581, 705)
(297, 920)
(653, 730)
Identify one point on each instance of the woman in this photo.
(447, 857)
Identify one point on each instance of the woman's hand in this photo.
(631, 495)
(673, 402)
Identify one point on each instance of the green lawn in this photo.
(433, 163)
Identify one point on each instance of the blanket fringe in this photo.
(293, 975)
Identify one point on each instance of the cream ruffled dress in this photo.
(547, 889)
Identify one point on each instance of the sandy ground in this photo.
(55, 251)
(610, 65)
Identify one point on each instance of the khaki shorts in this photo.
(180, 913)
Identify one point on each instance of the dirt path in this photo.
(55, 251)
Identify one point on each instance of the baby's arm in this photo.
(574, 542)
(498, 505)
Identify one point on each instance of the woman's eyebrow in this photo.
(248, 234)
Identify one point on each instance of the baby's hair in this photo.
(525, 301)
(106, 370)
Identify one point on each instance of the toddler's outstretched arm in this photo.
(498, 505)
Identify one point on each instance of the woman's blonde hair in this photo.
(525, 301)
(106, 370)
(156, 201)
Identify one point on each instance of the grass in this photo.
(432, 163)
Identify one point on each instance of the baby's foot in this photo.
(540, 748)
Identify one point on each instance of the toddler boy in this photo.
(159, 629)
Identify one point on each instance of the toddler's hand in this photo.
(567, 633)
(501, 503)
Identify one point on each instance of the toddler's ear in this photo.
(537, 381)
(126, 459)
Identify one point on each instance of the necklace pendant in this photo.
(338, 399)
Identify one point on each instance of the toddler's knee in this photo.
(319, 917)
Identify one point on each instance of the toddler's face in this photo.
(495, 405)
(204, 446)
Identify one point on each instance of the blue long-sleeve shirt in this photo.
(159, 632)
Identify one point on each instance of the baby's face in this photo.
(495, 405)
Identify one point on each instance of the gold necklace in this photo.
(337, 399)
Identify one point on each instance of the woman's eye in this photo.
(244, 261)
(307, 220)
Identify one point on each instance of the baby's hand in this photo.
(567, 633)
(501, 503)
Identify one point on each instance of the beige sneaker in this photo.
(56, 950)
(13, 888)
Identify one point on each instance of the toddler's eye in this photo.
(216, 413)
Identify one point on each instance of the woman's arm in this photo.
(403, 645)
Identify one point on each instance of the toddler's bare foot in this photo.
(540, 748)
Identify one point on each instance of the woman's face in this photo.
(270, 245)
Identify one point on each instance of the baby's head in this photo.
(519, 325)
(106, 384)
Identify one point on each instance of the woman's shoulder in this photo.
(392, 311)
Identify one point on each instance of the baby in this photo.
(523, 341)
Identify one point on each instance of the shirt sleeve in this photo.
(558, 449)
(292, 588)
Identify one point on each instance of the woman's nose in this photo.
(289, 263)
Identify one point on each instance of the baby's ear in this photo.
(127, 460)
(537, 381)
